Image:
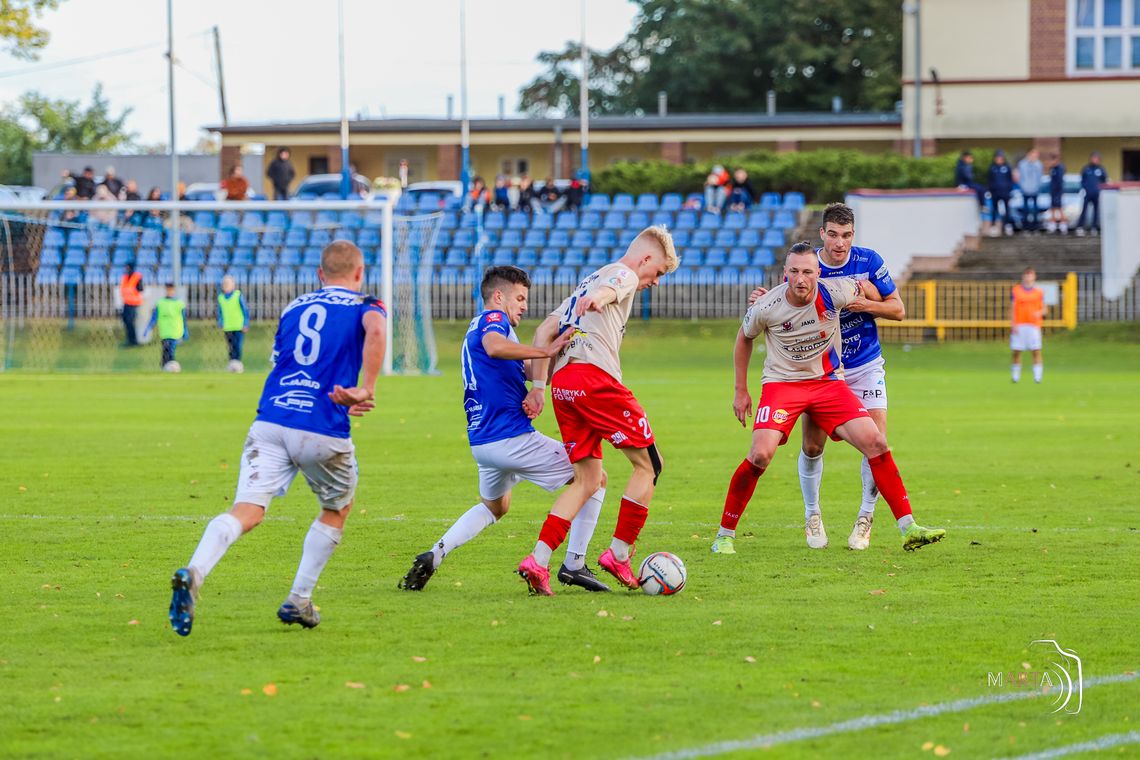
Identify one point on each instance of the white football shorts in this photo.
(1025, 338)
(273, 455)
(868, 383)
(530, 456)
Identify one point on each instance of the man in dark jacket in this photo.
(1001, 187)
(1092, 177)
(1057, 221)
(113, 184)
(964, 176)
(281, 174)
(85, 184)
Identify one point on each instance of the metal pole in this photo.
(465, 125)
(345, 172)
(221, 76)
(918, 78)
(176, 220)
(584, 104)
(386, 283)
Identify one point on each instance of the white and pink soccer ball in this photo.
(662, 573)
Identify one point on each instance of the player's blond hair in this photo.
(659, 235)
(340, 258)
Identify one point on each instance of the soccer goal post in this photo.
(63, 263)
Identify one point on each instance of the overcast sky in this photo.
(280, 57)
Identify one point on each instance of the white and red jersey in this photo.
(803, 342)
(598, 334)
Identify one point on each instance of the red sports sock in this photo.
(554, 531)
(889, 483)
(740, 490)
(631, 519)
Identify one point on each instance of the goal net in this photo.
(62, 266)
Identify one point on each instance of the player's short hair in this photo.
(496, 277)
(799, 248)
(340, 258)
(664, 239)
(1028, 270)
(838, 213)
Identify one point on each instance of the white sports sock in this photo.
(542, 553)
(1037, 371)
(726, 532)
(811, 475)
(1015, 372)
(320, 542)
(222, 531)
(870, 490)
(582, 530)
(905, 522)
(620, 549)
(469, 525)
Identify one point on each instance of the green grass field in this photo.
(109, 479)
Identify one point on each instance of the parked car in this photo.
(317, 186)
(1071, 199)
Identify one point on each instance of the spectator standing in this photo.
(131, 193)
(170, 316)
(716, 188)
(1057, 221)
(85, 184)
(403, 171)
(1029, 176)
(502, 195)
(236, 185)
(130, 291)
(111, 182)
(1092, 177)
(574, 195)
(528, 196)
(743, 195)
(964, 177)
(1001, 187)
(233, 318)
(154, 217)
(281, 174)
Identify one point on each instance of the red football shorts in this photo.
(590, 406)
(829, 402)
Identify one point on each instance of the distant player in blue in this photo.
(862, 367)
(327, 355)
(504, 443)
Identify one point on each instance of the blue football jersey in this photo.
(493, 389)
(318, 345)
(859, 333)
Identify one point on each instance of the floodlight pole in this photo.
(584, 104)
(345, 171)
(914, 8)
(176, 221)
(465, 122)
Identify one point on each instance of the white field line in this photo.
(1104, 742)
(710, 526)
(763, 741)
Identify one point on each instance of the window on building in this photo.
(1104, 36)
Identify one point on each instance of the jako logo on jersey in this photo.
(780, 416)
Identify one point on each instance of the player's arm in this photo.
(359, 399)
(153, 321)
(499, 346)
(871, 301)
(548, 334)
(741, 356)
(596, 300)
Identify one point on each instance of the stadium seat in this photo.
(442, 240)
(249, 239)
(749, 238)
(146, 257)
(373, 220)
(541, 221)
(752, 276)
(794, 201)
(217, 257)
(605, 238)
(229, 220)
(567, 220)
(716, 257)
(494, 220)
(647, 202)
(734, 220)
(682, 277)
(710, 221)
(622, 202)
(469, 220)
(705, 276)
(783, 220)
(663, 218)
(102, 236)
(311, 257)
(490, 238)
(191, 277)
(542, 276)
(512, 239)
(370, 237)
(128, 238)
(503, 257)
(591, 220)
(527, 257)
(582, 239)
(53, 257)
(150, 238)
(291, 257)
(597, 257)
(638, 220)
(225, 239)
(534, 239)
(241, 256)
(265, 257)
(770, 201)
(759, 220)
(687, 220)
(464, 238)
(252, 220)
(518, 220)
(75, 257)
(671, 202)
(277, 220)
(625, 238)
(78, 239)
(566, 275)
(692, 258)
(550, 257)
(54, 238)
(70, 276)
(205, 219)
(738, 257)
(558, 239)
(773, 239)
(201, 239)
(98, 257)
(213, 274)
(456, 257)
(614, 220)
(321, 237)
(284, 276)
(681, 238)
(193, 258)
(702, 239)
(253, 277)
(598, 202)
(764, 257)
(728, 276)
(47, 276)
(725, 238)
(574, 257)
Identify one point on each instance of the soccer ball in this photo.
(235, 366)
(172, 366)
(662, 573)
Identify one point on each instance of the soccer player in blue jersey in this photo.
(506, 447)
(862, 369)
(327, 355)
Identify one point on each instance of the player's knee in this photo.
(760, 457)
(876, 445)
(655, 461)
(605, 479)
(812, 449)
(497, 507)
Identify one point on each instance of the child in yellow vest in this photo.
(170, 316)
(233, 318)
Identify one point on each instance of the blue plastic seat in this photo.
(606, 238)
(265, 257)
(284, 276)
(146, 257)
(518, 220)
(770, 201)
(591, 220)
(626, 237)
(615, 220)
(503, 257)
(290, 257)
(47, 276)
(794, 201)
(622, 202)
(194, 257)
(542, 276)
(225, 238)
(582, 239)
(566, 275)
(598, 257)
(735, 220)
(647, 202)
(511, 239)
(534, 239)
(541, 221)
(764, 257)
(637, 220)
(70, 276)
(558, 239)
(456, 257)
(574, 257)
(217, 257)
(752, 276)
(705, 276)
(550, 257)
(738, 257)
(98, 257)
(277, 220)
(759, 220)
(681, 277)
(687, 220)
(53, 257)
(494, 221)
(311, 257)
(253, 276)
(205, 219)
(201, 239)
(567, 220)
(371, 237)
(681, 238)
(191, 276)
(725, 238)
(663, 219)
(151, 238)
(701, 239)
(672, 202)
(54, 238)
(692, 258)
(527, 257)
(94, 276)
(728, 276)
(119, 257)
(229, 220)
(773, 239)
(598, 202)
(252, 220)
(749, 238)
(78, 239)
(320, 237)
(490, 237)
(716, 257)
(249, 239)
(783, 220)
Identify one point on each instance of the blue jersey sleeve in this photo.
(495, 321)
(880, 276)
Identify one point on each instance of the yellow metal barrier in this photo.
(969, 310)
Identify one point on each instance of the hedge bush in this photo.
(822, 176)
